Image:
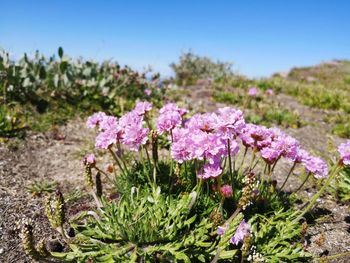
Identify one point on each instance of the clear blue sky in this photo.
(260, 37)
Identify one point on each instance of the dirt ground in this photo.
(56, 156)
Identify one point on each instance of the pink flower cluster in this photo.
(128, 130)
(344, 151)
(274, 144)
(242, 231)
(205, 137)
(169, 118)
(269, 92)
(253, 92)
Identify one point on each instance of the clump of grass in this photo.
(341, 124)
(342, 187)
(12, 122)
(37, 188)
(228, 97)
(264, 110)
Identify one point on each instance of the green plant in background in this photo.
(11, 122)
(199, 205)
(50, 91)
(341, 124)
(192, 67)
(261, 109)
(321, 86)
(228, 97)
(38, 188)
(342, 187)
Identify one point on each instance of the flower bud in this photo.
(226, 191)
(54, 208)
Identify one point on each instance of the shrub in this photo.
(192, 67)
(202, 204)
(43, 86)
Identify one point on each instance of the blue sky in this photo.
(259, 37)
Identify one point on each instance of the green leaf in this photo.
(228, 254)
(60, 52)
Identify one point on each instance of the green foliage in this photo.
(275, 115)
(342, 188)
(143, 224)
(52, 90)
(38, 188)
(277, 237)
(265, 110)
(11, 122)
(341, 124)
(192, 67)
(150, 222)
(228, 97)
(342, 129)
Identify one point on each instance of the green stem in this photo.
(272, 169)
(318, 194)
(302, 184)
(251, 162)
(147, 155)
(290, 172)
(116, 160)
(326, 258)
(241, 165)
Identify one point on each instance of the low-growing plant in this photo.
(38, 188)
(265, 110)
(192, 67)
(209, 197)
(50, 91)
(342, 187)
(11, 122)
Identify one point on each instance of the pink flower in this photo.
(269, 92)
(108, 122)
(231, 122)
(301, 155)
(210, 171)
(148, 92)
(316, 166)
(130, 119)
(221, 230)
(256, 137)
(253, 92)
(143, 107)
(95, 119)
(288, 146)
(180, 150)
(281, 145)
(168, 120)
(344, 151)
(90, 158)
(242, 231)
(226, 191)
(207, 146)
(135, 136)
(106, 138)
(270, 154)
(207, 122)
(172, 107)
